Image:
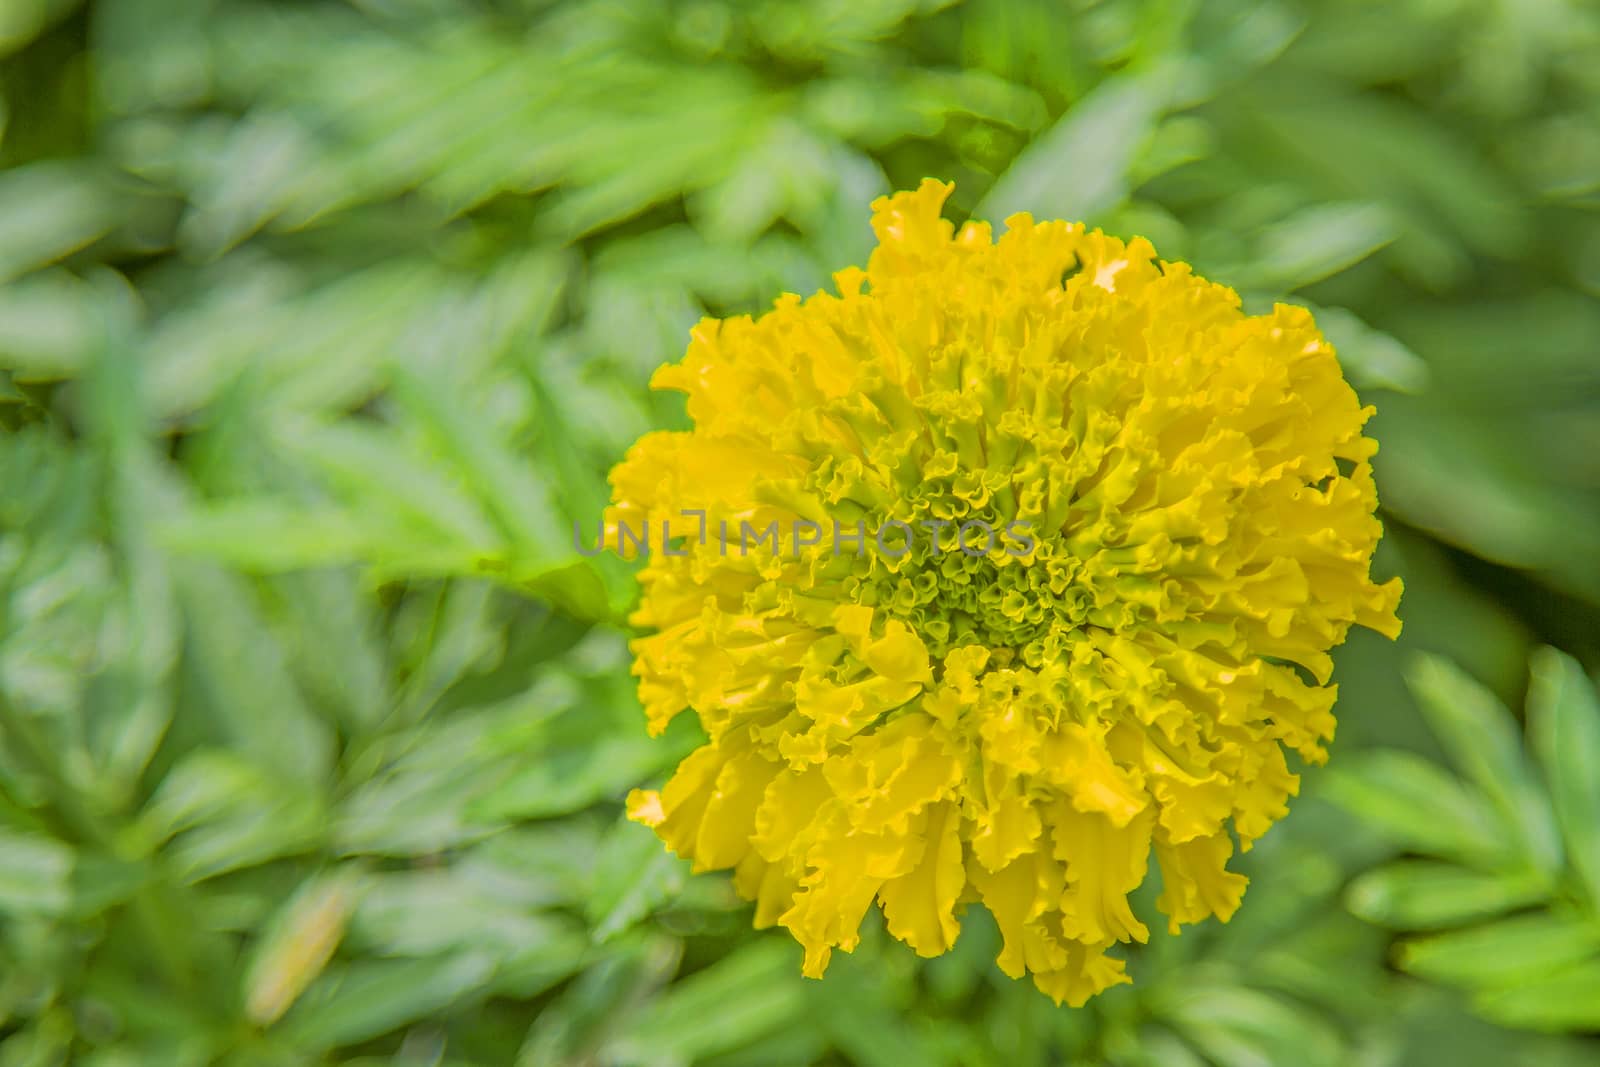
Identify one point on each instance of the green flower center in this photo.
(979, 579)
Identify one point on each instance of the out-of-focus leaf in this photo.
(1414, 803)
(22, 20)
(35, 876)
(374, 471)
(573, 776)
(866, 1016)
(1558, 1000)
(268, 536)
(1079, 169)
(330, 629)
(1504, 952)
(1431, 1026)
(48, 326)
(1507, 352)
(298, 943)
(318, 346)
(99, 882)
(751, 992)
(1564, 727)
(1369, 357)
(519, 500)
(1466, 480)
(584, 1015)
(541, 557)
(1312, 244)
(236, 674)
(1157, 1046)
(787, 164)
(356, 1001)
(647, 160)
(227, 813)
(634, 874)
(428, 914)
(548, 864)
(1232, 39)
(46, 211)
(1428, 895)
(1479, 734)
(1238, 1027)
(251, 177)
(421, 796)
(1372, 143)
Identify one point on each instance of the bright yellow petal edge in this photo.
(930, 730)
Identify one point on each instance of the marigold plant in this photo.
(926, 729)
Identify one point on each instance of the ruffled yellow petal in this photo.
(920, 906)
(1105, 862)
(1196, 881)
(1181, 516)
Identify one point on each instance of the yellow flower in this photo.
(1182, 508)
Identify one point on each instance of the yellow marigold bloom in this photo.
(926, 729)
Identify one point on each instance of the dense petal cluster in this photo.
(926, 729)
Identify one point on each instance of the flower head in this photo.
(1181, 504)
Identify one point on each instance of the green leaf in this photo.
(749, 993)
(331, 629)
(357, 1001)
(647, 160)
(23, 20)
(48, 326)
(1369, 357)
(549, 864)
(99, 882)
(598, 1001)
(421, 797)
(862, 1007)
(225, 813)
(36, 875)
(1239, 1027)
(430, 914)
(635, 874)
(1376, 144)
(1562, 1000)
(253, 175)
(541, 556)
(1416, 804)
(374, 471)
(1479, 734)
(46, 211)
(1312, 244)
(237, 687)
(298, 942)
(319, 346)
(1505, 952)
(267, 536)
(1078, 169)
(1564, 728)
(1469, 479)
(1157, 1046)
(515, 493)
(1426, 895)
(572, 776)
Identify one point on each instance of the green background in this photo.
(321, 322)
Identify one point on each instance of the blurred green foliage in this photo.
(321, 322)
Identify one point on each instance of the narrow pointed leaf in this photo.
(1414, 803)
(1427, 895)
(1564, 729)
(1504, 952)
(1480, 736)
